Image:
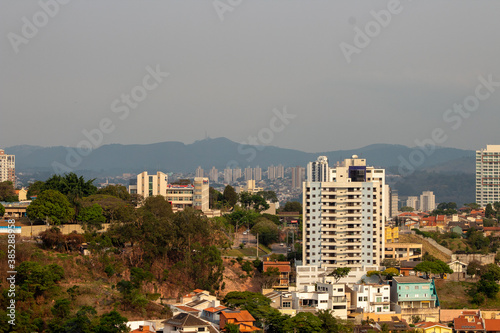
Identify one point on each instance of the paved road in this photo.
(277, 248)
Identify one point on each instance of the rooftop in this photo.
(410, 279)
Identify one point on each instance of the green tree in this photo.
(215, 198)
(406, 209)
(231, 328)
(434, 267)
(331, 324)
(112, 322)
(489, 212)
(61, 309)
(267, 231)
(306, 322)
(2, 210)
(91, 214)
(269, 196)
(7, 192)
(36, 278)
(257, 304)
(35, 188)
(259, 203)
(293, 206)
(118, 191)
(339, 273)
(52, 205)
(230, 195)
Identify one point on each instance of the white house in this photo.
(371, 297)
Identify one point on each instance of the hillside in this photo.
(220, 152)
(426, 246)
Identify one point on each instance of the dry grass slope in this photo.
(426, 246)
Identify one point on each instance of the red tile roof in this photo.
(186, 308)
(212, 309)
(462, 323)
(427, 324)
(492, 324)
(282, 266)
(240, 316)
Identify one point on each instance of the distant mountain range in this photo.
(222, 152)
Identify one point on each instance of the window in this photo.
(360, 298)
(201, 329)
(416, 287)
(287, 304)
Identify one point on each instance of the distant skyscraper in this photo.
(214, 175)
(236, 174)
(413, 203)
(257, 173)
(427, 201)
(297, 177)
(394, 202)
(7, 167)
(228, 175)
(248, 173)
(280, 171)
(271, 172)
(488, 175)
(199, 172)
(318, 171)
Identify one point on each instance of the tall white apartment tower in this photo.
(344, 217)
(257, 173)
(7, 167)
(228, 175)
(488, 175)
(413, 202)
(427, 201)
(214, 175)
(199, 172)
(318, 171)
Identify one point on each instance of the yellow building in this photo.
(430, 327)
(391, 234)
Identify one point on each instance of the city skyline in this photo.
(305, 77)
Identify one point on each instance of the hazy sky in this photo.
(231, 63)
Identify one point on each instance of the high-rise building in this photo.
(248, 173)
(213, 175)
(271, 172)
(394, 203)
(199, 172)
(236, 174)
(427, 201)
(344, 217)
(280, 171)
(413, 203)
(318, 171)
(488, 175)
(297, 177)
(228, 175)
(7, 167)
(257, 173)
(201, 193)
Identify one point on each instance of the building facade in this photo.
(180, 196)
(344, 217)
(297, 178)
(488, 175)
(7, 167)
(427, 201)
(318, 171)
(413, 203)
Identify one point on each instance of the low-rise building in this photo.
(469, 322)
(411, 295)
(284, 268)
(371, 297)
(403, 251)
(185, 322)
(433, 327)
(241, 318)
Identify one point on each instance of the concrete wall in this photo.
(426, 314)
(467, 258)
(28, 231)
